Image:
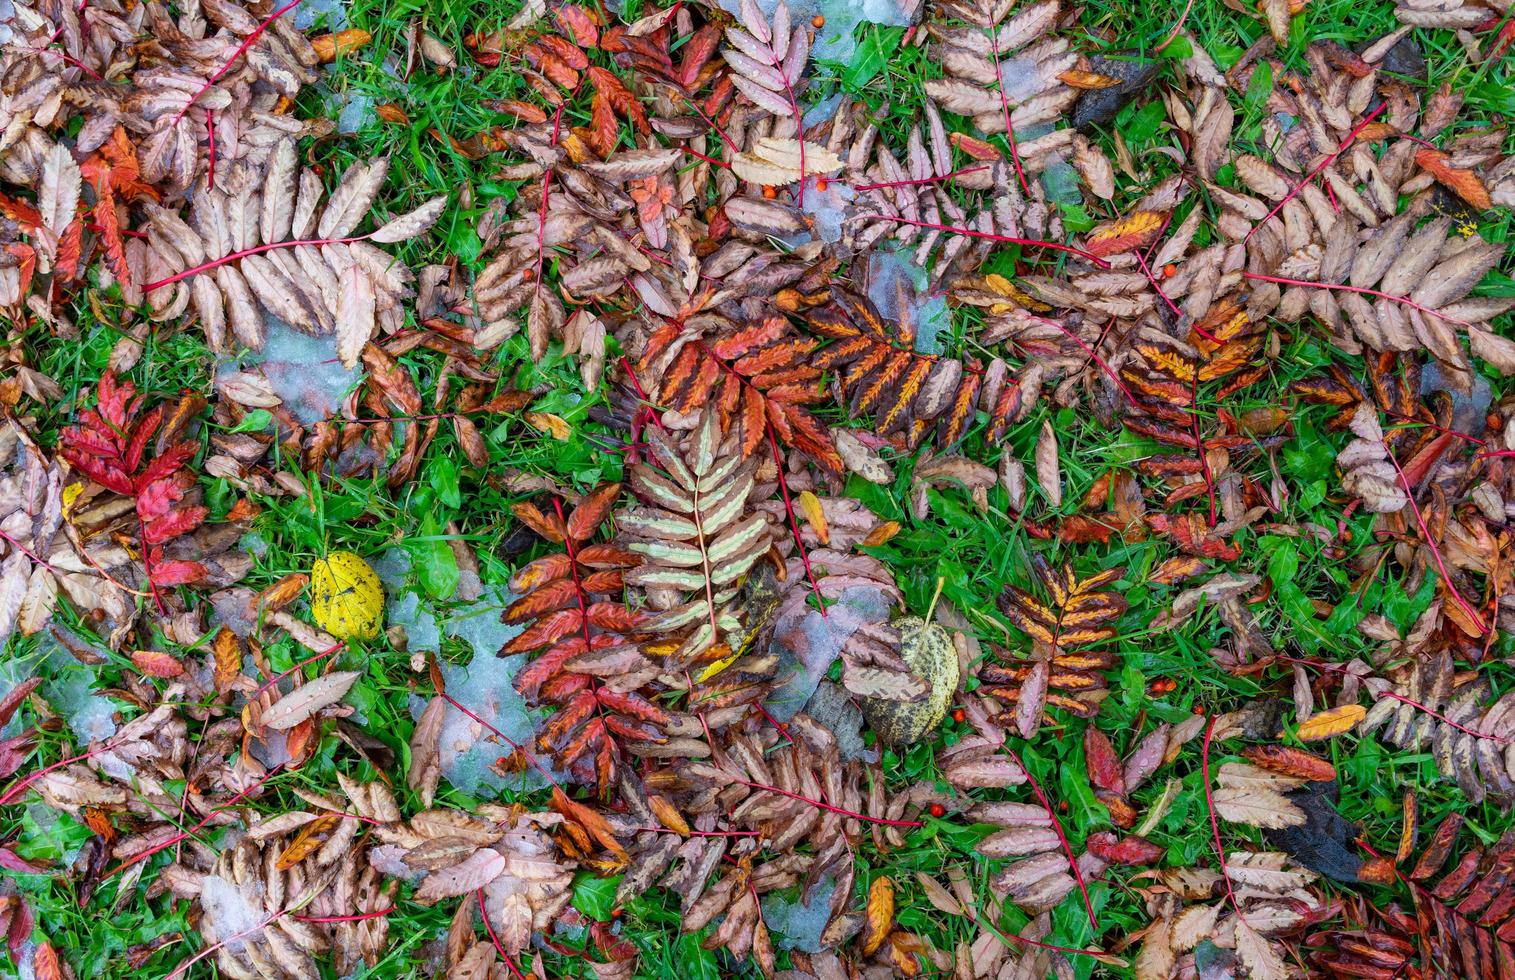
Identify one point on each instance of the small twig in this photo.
(1173, 34)
(827, 806)
(345, 918)
(489, 928)
(255, 250)
(1358, 289)
(1004, 101)
(923, 180)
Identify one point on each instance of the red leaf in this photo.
(13, 753)
(175, 524)
(580, 24)
(1105, 770)
(110, 234)
(171, 573)
(13, 699)
(1128, 850)
(11, 861)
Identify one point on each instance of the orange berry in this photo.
(937, 810)
(1062, 806)
(1170, 270)
(615, 913)
(821, 185)
(958, 714)
(770, 192)
(1199, 709)
(818, 21)
(528, 273)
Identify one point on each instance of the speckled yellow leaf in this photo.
(346, 599)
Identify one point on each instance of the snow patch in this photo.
(231, 914)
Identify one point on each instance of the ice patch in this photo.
(478, 623)
(392, 567)
(835, 41)
(829, 208)
(807, 643)
(357, 112)
(896, 288)
(1060, 181)
(418, 621)
(332, 14)
(231, 914)
(799, 924)
(304, 371)
(486, 687)
(69, 686)
(833, 710)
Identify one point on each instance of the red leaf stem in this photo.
(1057, 825)
(241, 50)
(1330, 159)
(1357, 289)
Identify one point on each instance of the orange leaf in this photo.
(228, 655)
(156, 663)
(1464, 183)
(1291, 762)
(1136, 230)
(45, 963)
(1078, 78)
(591, 511)
(311, 837)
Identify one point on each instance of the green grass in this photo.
(976, 554)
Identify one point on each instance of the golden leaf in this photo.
(1333, 722)
(311, 836)
(551, 424)
(881, 534)
(1078, 78)
(1135, 230)
(668, 814)
(228, 655)
(879, 914)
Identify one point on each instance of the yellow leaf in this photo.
(551, 424)
(879, 914)
(810, 505)
(71, 494)
(1333, 722)
(346, 599)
